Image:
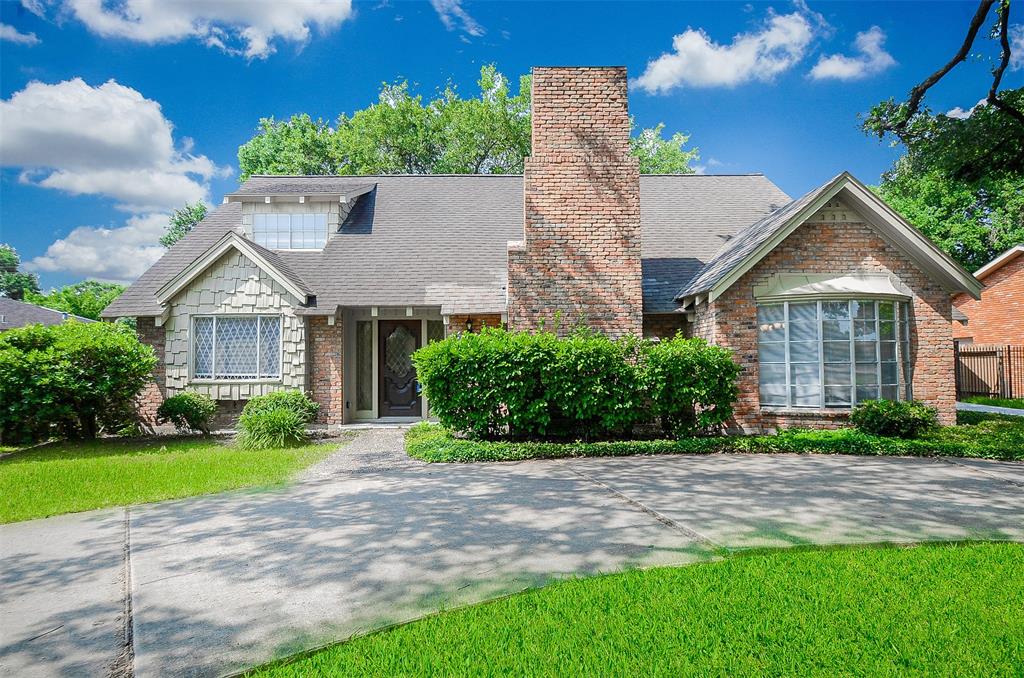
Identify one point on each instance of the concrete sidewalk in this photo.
(991, 409)
(370, 537)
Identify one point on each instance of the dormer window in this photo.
(290, 231)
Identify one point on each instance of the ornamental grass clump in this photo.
(538, 386)
(278, 419)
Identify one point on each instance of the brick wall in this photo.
(999, 317)
(154, 392)
(459, 323)
(326, 368)
(836, 248)
(664, 326)
(580, 257)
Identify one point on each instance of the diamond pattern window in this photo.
(290, 231)
(236, 347)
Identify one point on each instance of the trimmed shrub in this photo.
(900, 419)
(67, 379)
(188, 411)
(692, 385)
(267, 429)
(277, 419)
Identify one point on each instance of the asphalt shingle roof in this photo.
(746, 242)
(19, 314)
(429, 240)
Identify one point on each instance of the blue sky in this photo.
(108, 121)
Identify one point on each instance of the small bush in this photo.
(271, 429)
(894, 418)
(188, 411)
(692, 385)
(277, 419)
(68, 379)
(294, 400)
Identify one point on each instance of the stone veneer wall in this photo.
(147, 402)
(836, 248)
(580, 258)
(234, 285)
(999, 317)
(326, 368)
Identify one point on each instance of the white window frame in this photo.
(291, 231)
(213, 362)
(904, 377)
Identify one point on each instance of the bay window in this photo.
(833, 354)
(290, 231)
(236, 347)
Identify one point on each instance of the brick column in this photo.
(580, 257)
(153, 394)
(326, 368)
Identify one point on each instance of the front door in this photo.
(399, 391)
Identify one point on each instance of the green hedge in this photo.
(990, 439)
(538, 386)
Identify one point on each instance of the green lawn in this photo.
(66, 477)
(1015, 403)
(977, 434)
(952, 610)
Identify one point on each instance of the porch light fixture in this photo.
(469, 324)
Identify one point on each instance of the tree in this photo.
(65, 379)
(86, 299)
(182, 221)
(402, 134)
(14, 284)
(962, 177)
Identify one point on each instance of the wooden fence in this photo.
(984, 370)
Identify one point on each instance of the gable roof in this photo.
(441, 240)
(267, 260)
(753, 243)
(1000, 261)
(19, 314)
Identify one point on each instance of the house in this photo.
(998, 316)
(19, 314)
(328, 284)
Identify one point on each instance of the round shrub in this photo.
(188, 411)
(894, 418)
(66, 379)
(691, 383)
(267, 429)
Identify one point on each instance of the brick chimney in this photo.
(580, 257)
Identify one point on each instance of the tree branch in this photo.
(918, 92)
(997, 73)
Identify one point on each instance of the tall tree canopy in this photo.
(961, 180)
(182, 221)
(14, 283)
(87, 298)
(485, 134)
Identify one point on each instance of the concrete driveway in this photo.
(368, 538)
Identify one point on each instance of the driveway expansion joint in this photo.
(995, 476)
(660, 517)
(123, 665)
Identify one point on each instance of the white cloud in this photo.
(961, 114)
(697, 61)
(454, 16)
(235, 26)
(872, 59)
(35, 6)
(113, 254)
(107, 140)
(11, 34)
(1016, 35)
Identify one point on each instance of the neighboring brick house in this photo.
(328, 284)
(998, 317)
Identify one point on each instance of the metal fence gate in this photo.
(984, 370)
